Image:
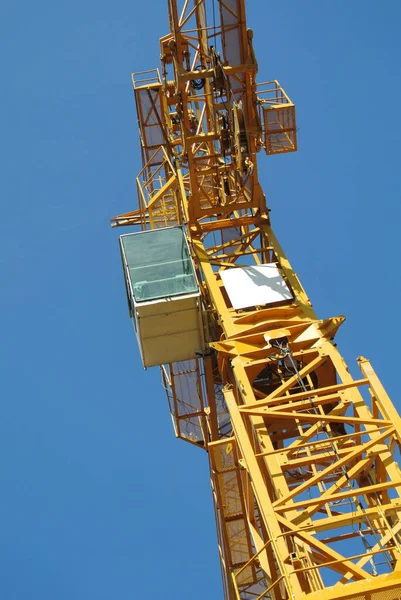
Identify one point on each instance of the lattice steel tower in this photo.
(303, 458)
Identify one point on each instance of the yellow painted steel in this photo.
(303, 457)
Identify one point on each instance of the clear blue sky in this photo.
(98, 500)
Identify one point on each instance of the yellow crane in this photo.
(303, 457)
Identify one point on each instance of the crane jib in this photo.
(303, 457)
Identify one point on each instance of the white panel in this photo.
(169, 330)
(257, 285)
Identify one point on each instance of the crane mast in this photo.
(303, 457)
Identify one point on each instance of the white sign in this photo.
(256, 285)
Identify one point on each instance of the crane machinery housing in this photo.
(303, 457)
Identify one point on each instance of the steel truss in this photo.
(303, 457)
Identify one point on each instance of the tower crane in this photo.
(303, 457)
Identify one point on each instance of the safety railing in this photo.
(277, 117)
(145, 78)
(157, 192)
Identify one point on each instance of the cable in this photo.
(198, 84)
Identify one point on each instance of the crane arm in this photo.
(303, 457)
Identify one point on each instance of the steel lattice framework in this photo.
(303, 457)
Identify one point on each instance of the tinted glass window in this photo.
(159, 264)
